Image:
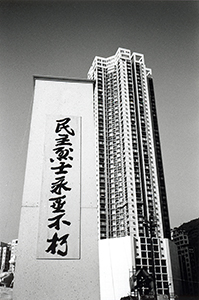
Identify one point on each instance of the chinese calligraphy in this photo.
(59, 187)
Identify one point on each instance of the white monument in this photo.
(57, 255)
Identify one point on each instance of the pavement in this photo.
(6, 293)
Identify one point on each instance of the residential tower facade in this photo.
(131, 186)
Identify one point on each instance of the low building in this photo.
(13, 255)
(4, 256)
(186, 260)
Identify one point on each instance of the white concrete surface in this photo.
(61, 278)
(115, 267)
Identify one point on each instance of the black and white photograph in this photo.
(99, 150)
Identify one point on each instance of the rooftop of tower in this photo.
(120, 53)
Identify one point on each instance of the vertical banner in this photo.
(59, 223)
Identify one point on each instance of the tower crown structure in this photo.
(131, 187)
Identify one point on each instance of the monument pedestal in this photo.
(57, 255)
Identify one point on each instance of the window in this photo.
(163, 262)
(164, 277)
(143, 247)
(144, 261)
(159, 284)
(138, 261)
(143, 254)
(157, 269)
(164, 270)
(157, 262)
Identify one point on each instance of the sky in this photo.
(61, 39)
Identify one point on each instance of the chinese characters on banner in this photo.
(61, 185)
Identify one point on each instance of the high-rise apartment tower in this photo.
(132, 195)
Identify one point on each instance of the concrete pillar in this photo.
(57, 255)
